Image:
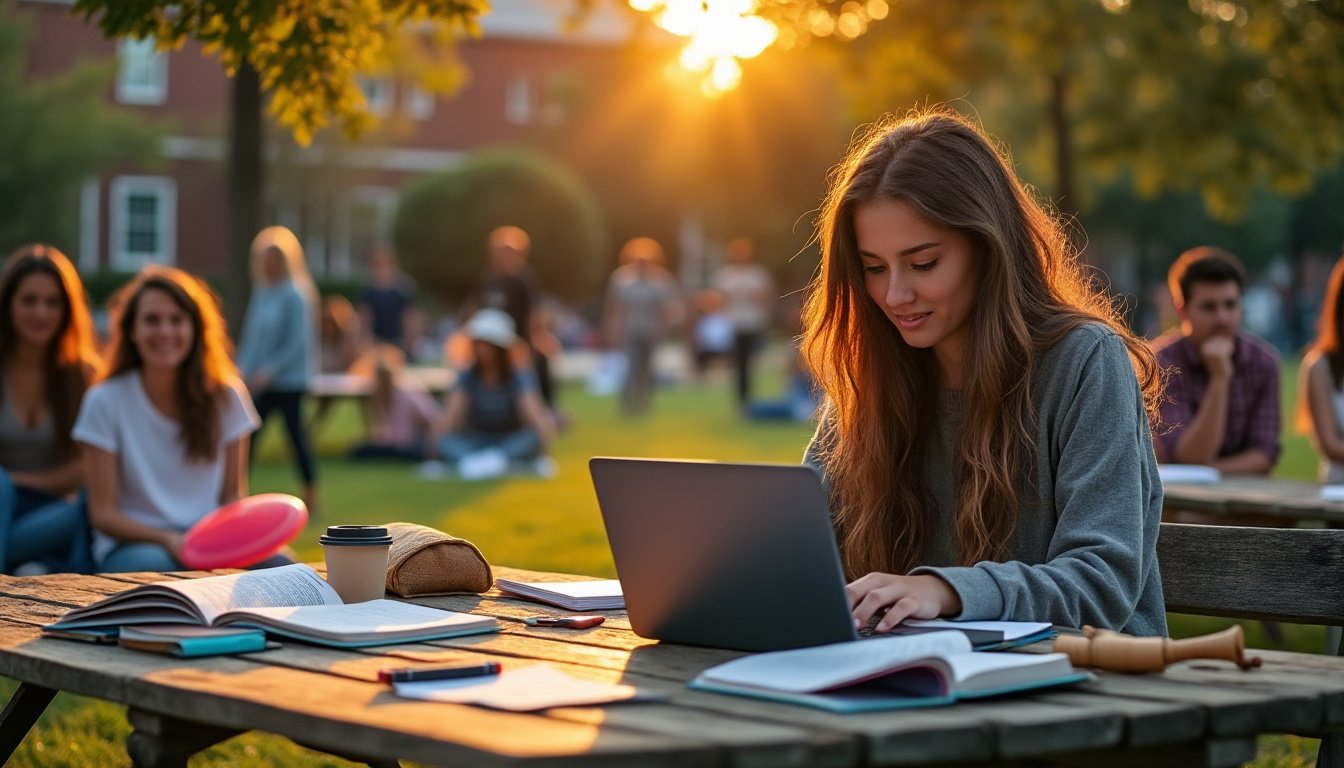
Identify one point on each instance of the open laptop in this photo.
(727, 555)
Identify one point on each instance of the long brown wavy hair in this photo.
(72, 357)
(1329, 342)
(208, 368)
(881, 393)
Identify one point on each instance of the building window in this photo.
(365, 221)
(144, 221)
(518, 101)
(377, 94)
(142, 72)
(419, 103)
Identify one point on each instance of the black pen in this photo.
(417, 674)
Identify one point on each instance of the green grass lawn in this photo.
(544, 524)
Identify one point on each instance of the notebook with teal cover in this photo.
(884, 673)
(186, 641)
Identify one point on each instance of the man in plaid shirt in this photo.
(1222, 394)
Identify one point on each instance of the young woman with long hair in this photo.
(1320, 407)
(278, 349)
(165, 431)
(47, 360)
(985, 434)
(401, 412)
(494, 417)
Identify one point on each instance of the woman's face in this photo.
(273, 264)
(162, 331)
(38, 309)
(922, 277)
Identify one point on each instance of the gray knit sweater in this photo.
(1085, 545)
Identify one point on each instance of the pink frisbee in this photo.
(244, 532)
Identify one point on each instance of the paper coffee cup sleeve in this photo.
(425, 561)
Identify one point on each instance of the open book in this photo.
(601, 595)
(886, 673)
(292, 601)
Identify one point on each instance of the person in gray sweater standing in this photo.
(985, 434)
(278, 348)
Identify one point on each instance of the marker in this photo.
(564, 622)
(417, 674)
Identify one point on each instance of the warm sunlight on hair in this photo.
(721, 33)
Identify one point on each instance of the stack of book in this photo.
(601, 595)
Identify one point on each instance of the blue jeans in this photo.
(522, 445)
(38, 526)
(132, 556)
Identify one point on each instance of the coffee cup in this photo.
(356, 560)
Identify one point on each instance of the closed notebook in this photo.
(188, 641)
(599, 595)
(984, 635)
(886, 673)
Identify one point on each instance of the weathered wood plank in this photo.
(1214, 753)
(1147, 723)
(1224, 571)
(1230, 711)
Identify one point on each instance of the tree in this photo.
(55, 134)
(306, 55)
(444, 221)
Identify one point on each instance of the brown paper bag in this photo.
(423, 561)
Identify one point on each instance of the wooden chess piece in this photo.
(1116, 652)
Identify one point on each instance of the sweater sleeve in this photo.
(1106, 502)
(286, 351)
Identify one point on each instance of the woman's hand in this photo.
(903, 597)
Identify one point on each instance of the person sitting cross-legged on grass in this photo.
(494, 417)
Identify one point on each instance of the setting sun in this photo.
(721, 33)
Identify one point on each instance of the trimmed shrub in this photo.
(442, 224)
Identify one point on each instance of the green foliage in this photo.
(444, 220)
(309, 54)
(1219, 98)
(54, 134)
(102, 284)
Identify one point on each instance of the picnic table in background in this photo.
(1282, 502)
(327, 388)
(1196, 713)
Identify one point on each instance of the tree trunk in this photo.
(245, 189)
(1059, 120)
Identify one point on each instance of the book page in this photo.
(356, 621)
(979, 672)
(1011, 630)
(287, 585)
(828, 666)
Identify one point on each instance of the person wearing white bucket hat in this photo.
(494, 417)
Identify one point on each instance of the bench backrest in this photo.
(1275, 574)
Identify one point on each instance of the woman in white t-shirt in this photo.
(165, 431)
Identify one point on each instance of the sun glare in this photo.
(721, 32)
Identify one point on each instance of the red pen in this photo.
(564, 622)
(416, 674)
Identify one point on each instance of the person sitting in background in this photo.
(401, 412)
(47, 359)
(165, 431)
(494, 416)
(338, 335)
(1222, 392)
(1320, 408)
(712, 338)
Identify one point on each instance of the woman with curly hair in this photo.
(985, 435)
(165, 431)
(47, 360)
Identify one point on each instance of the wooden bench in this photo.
(1273, 574)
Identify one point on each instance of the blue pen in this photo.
(417, 674)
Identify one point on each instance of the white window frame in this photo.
(377, 94)
(518, 100)
(419, 102)
(164, 190)
(383, 200)
(135, 53)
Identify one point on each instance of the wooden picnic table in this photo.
(1281, 499)
(1196, 713)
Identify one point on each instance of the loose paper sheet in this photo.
(521, 690)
